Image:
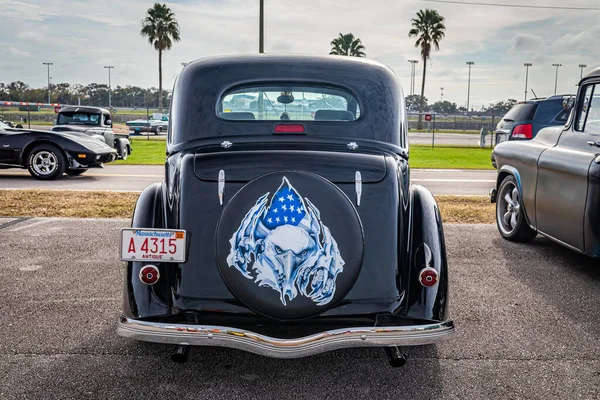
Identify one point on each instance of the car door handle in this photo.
(597, 144)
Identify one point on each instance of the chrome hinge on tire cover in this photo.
(221, 186)
(358, 187)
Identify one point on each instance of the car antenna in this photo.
(534, 95)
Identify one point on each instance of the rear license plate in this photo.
(154, 245)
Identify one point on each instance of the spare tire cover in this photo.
(289, 245)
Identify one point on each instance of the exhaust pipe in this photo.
(181, 353)
(395, 356)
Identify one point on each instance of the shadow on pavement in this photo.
(132, 369)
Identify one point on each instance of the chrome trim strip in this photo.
(358, 187)
(221, 186)
(206, 335)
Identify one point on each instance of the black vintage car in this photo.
(551, 184)
(95, 122)
(48, 155)
(286, 224)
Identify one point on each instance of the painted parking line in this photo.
(44, 221)
(94, 175)
(456, 180)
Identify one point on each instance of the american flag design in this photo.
(286, 208)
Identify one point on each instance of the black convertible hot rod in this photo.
(286, 224)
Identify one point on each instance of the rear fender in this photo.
(505, 171)
(141, 300)
(427, 249)
(31, 145)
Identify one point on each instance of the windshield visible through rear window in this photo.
(521, 112)
(288, 103)
(74, 118)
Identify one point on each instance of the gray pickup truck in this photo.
(95, 122)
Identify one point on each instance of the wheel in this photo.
(19, 126)
(510, 214)
(122, 150)
(280, 253)
(158, 130)
(75, 172)
(46, 162)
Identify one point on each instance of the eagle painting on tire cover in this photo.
(286, 247)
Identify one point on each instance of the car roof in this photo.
(593, 74)
(90, 110)
(200, 85)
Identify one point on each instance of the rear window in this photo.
(74, 118)
(521, 112)
(288, 103)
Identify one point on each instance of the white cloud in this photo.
(11, 52)
(526, 42)
(80, 37)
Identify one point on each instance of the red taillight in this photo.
(428, 277)
(289, 128)
(524, 131)
(149, 274)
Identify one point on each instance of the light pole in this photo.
(109, 67)
(48, 64)
(527, 65)
(556, 76)
(442, 93)
(261, 27)
(469, 63)
(582, 66)
(412, 75)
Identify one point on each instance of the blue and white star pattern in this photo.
(286, 208)
(285, 246)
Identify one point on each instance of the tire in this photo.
(19, 126)
(122, 150)
(158, 130)
(46, 162)
(510, 213)
(75, 172)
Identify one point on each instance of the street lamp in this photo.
(469, 63)
(261, 27)
(527, 65)
(109, 67)
(412, 76)
(582, 66)
(48, 64)
(556, 77)
(442, 91)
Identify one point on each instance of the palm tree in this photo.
(161, 29)
(429, 28)
(347, 45)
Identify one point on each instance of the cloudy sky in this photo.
(81, 36)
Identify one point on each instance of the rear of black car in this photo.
(525, 119)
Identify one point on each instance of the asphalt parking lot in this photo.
(527, 317)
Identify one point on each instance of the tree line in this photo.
(94, 94)
(415, 103)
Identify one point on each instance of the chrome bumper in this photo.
(199, 335)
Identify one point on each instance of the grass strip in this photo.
(104, 204)
(153, 152)
(66, 203)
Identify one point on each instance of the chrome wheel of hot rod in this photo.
(46, 162)
(510, 216)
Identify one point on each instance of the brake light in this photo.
(289, 128)
(429, 277)
(524, 131)
(149, 274)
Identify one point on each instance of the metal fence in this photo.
(454, 122)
